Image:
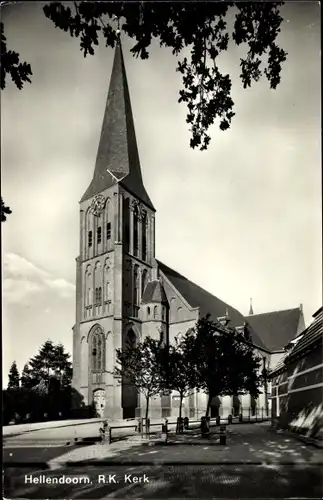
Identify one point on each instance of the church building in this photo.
(123, 293)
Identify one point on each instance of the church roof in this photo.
(311, 336)
(154, 292)
(118, 158)
(206, 302)
(276, 329)
(306, 341)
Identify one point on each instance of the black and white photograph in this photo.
(161, 214)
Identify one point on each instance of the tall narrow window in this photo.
(143, 281)
(90, 238)
(108, 230)
(94, 353)
(136, 291)
(144, 237)
(135, 285)
(135, 233)
(98, 296)
(155, 312)
(99, 233)
(126, 225)
(97, 351)
(99, 354)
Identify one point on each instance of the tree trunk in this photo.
(208, 405)
(147, 408)
(180, 405)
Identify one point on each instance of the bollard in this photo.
(223, 437)
(105, 432)
(139, 425)
(186, 423)
(179, 425)
(229, 419)
(164, 432)
(205, 428)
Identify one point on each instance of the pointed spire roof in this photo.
(117, 159)
(250, 309)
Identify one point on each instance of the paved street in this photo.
(256, 463)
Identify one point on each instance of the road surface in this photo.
(255, 464)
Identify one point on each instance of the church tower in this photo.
(117, 256)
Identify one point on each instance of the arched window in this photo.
(131, 339)
(98, 288)
(87, 292)
(144, 236)
(88, 237)
(107, 285)
(97, 351)
(99, 234)
(179, 312)
(155, 312)
(144, 277)
(136, 285)
(136, 289)
(135, 232)
(148, 311)
(107, 230)
(126, 225)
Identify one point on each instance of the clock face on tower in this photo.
(97, 205)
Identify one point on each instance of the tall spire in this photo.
(250, 309)
(117, 158)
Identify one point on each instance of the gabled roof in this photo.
(154, 292)
(312, 335)
(117, 158)
(276, 329)
(205, 301)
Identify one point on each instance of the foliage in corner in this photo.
(201, 27)
(20, 72)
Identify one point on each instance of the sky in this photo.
(242, 219)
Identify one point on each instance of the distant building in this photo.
(276, 329)
(297, 379)
(124, 293)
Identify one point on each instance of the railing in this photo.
(144, 428)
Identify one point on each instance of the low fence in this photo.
(144, 426)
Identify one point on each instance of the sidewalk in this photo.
(248, 444)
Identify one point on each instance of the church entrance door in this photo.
(99, 401)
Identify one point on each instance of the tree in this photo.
(4, 211)
(200, 26)
(26, 377)
(14, 380)
(140, 366)
(51, 362)
(224, 364)
(178, 368)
